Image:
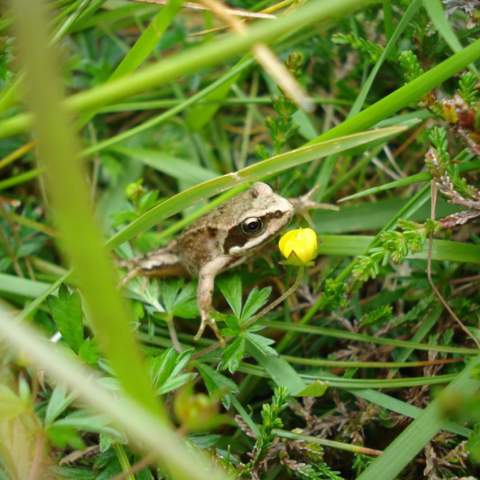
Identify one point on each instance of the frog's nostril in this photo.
(278, 214)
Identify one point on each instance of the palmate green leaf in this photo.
(66, 310)
(84, 421)
(218, 385)
(166, 370)
(255, 301)
(171, 297)
(233, 354)
(231, 288)
(63, 436)
(261, 343)
(59, 401)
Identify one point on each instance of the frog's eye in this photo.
(252, 226)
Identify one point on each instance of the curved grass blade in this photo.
(251, 173)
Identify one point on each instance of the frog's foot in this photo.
(303, 204)
(208, 320)
(135, 272)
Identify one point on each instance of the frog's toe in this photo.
(208, 320)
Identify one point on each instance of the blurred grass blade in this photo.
(257, 171)
(81, 239)
(168, 164)
(141, 426)
(22, 286)
(199, 115)
(194, 59)
(407, 445)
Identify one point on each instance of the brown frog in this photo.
(222, 239)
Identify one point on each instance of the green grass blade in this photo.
(407, 445)
(148, 40)
(22, 286)
(199, 115)
(403, 408)
(353, 245)
(164, 116)
(81, 241)
(168, 164)
(406, 181)
(281, 372)
(360, 337)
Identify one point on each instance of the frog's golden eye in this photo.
(252, 226)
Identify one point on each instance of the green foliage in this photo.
(394, 245)
(187, 118)
(270, 420)
(166, 370)
(369, 50)
(238, 325)
(66, 311)
(468, 88)
(410, 65)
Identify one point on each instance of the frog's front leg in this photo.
(206, 284)
(304, 203)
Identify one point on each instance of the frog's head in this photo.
(260, 216)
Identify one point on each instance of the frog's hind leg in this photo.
(162, 263)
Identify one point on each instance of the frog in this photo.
(220, 240)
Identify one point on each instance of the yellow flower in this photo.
(299, 246)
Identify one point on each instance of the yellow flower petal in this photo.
(299, 246)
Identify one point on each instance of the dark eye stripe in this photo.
(237, 238)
